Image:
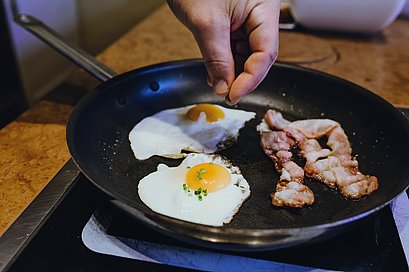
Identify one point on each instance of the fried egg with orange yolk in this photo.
(202, 128)
(204, 189)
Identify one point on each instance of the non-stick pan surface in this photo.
(98, 131)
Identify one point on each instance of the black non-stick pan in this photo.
(98, 129)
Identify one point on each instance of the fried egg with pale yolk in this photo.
(202, 128)
(204, 189)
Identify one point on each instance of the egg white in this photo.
(162, 191)
(168, 132)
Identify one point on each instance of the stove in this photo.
(72, 226)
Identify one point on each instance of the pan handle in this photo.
(70, 51)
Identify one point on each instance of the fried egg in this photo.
(204, 189)
(202, 128)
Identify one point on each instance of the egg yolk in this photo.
(212, 112)
(208, 176)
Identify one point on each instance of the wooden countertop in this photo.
(33, 147)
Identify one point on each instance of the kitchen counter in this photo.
(33, 147)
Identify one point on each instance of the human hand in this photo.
(235, 37)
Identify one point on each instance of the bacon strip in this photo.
(335, 166)
(290, 190)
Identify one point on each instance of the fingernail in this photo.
(220, 88)
(209, 81)
(229, 101)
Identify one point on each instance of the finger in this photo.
(262, 29)
(254, 70)
(213, 38)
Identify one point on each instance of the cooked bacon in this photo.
(277, 146)
(292, 194)
(335, 166)
(290, 190)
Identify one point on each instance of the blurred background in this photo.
(30, 69)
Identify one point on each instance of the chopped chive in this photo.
(200, 197)
(199, 191)
(198, 176)
(202, 170)
(205, 192)
(196, 192)
(184, 186)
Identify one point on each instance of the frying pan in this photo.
(97, 135)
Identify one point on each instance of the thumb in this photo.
(213, 38)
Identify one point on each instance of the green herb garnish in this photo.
(199, 173)
(198, 192)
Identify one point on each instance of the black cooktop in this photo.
(374, 245)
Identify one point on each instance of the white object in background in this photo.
(95, 237)
(359, 16)
(401, 215)
(40, 67)
(405, 10)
